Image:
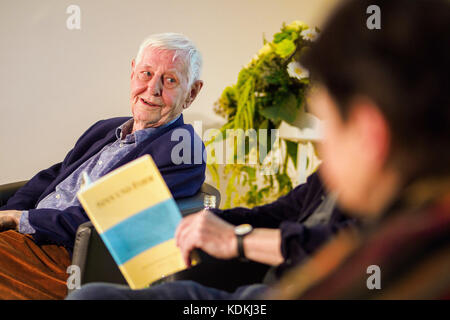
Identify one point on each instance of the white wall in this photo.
(55, 82)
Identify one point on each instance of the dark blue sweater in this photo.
(59, 226)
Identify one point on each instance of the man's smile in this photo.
(151, 104)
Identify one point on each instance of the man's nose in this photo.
(155, 86)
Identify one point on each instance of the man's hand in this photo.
(206, 231)
(9, 219)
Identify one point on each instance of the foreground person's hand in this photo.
(206, 231)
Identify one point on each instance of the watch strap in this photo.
(240, 247)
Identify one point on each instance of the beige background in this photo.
(56, 82)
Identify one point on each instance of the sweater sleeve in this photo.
(294, 206)
(57, 226)
(299, 241)
(288, 214)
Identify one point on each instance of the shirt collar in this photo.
(139, 135)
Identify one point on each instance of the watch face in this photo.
(243, 229)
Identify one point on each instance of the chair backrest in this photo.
(8, 190)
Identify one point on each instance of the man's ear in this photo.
(193, 93)
(133, 63)
(372, 128)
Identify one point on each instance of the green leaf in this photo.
(265, 144)
(251, 172)
(245, 105)
(213, 169)
(265, 191)
(284, 183)
(292, 149)
(230, 190)
(280, 36)
(285, 48)
(285, 110)
(243, 76)
(264, 124)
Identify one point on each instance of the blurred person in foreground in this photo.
(383, 97)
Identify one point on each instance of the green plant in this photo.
(269, 90)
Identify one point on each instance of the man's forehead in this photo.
(155, 57)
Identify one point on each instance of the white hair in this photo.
(181, 45)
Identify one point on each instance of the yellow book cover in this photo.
(136, 217)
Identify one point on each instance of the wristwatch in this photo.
(241, 231)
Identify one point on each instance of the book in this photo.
(136, 216)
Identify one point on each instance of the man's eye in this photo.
(145, 75)
(170, 81)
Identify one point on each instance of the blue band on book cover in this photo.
(132, 236)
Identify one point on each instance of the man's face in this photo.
(353, 151)
(159, 88)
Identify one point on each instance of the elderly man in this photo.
(383, 97)
(39, 222)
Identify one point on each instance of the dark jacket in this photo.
(289, 213)
(59, 227)
(405, 254)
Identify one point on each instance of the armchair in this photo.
(8, 190)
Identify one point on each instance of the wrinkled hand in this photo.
(9, 219)
(206, 231)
